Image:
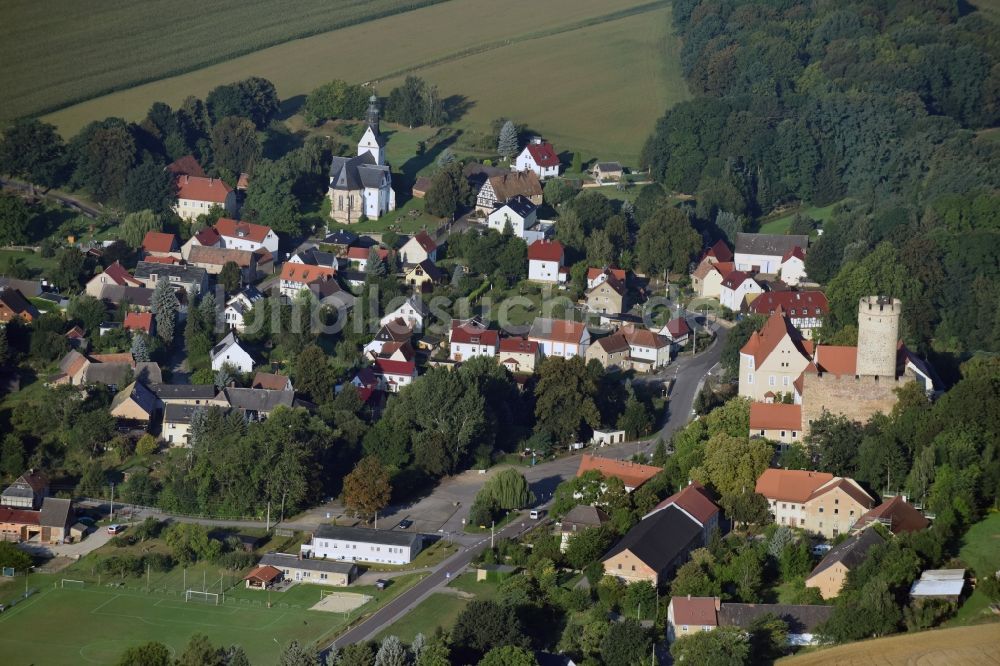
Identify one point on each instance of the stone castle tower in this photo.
(878, 336)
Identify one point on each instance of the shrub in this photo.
(159, 562)
(236, 559)
(146, 445)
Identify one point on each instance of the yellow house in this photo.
(772, 359)
(653, 549)
(706, 280)
(829, 575)
(423, 275)
(135, 402)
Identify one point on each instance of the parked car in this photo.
(115, 529)
(405, 524)
(821, 549)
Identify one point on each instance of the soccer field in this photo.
(95, 624)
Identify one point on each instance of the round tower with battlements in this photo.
(878, 335)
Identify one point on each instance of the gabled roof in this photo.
(585, 516)
(609, 166)
(632, 474)
(897, 514)
(594, 273)
(362, 253)
(430, 269)
(543, 154)
(793, 485)
(518, 203)
(117, 273)
(139, 394)
(258, 400)
(198, 188)
(614, 343)
(735, 278)
(184, 391)
(184, 274)
(545, 250)
(305, 274)
(268, 380)
(17, 303)
(72, 363)
(263, 574)
(773, 245)
(220, 256)
(230, 228)
(510, 184)
(557, 330)
(618, 286)
(159, 260)
(391, 348)
(678, 328)
(473, 332)
(207, 236)
(138, 321)
(341, 237)
(397, 330)
(424, 240)
(186, 165)
(384, 366)
(157, 241)
(138, 296)
(720, 251)
(363, 535)
(291, 561)
(55, 512)
(693, 499)
(763, 342)
(19, 516)
(643, 337)
(796, 252)
(851, 552)
(695, 611)
(795, 303)
(775, 416)
(226, 343)
(849, 487)
(658, 540)
(835, 359)
(801, 619)
(514, 345)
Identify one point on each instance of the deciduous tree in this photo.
(367, 489)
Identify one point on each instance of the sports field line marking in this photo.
(94, 611)
(21, 605)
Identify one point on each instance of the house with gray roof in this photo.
(189, 394)
(134, 404)
(257, 404)
(188, 278)
(765, 253)
(229, 352)
(55, 519)
(312, 570)
(27, 491)
(360, 544)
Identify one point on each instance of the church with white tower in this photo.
(362, 185)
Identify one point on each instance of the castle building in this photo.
(362, 185)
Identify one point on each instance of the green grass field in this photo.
(981, 551)
(437, 610)
(592, 75)
(780, 225)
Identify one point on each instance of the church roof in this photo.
(355, 173)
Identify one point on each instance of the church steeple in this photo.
(373, 114)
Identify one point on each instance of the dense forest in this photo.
(874, 105)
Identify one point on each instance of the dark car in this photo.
(405, 524)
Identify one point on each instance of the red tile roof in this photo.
(518, 345)
(835, 359)
(735, 278)
(384, 366)
(694, 500)
(900, 515)
(264, 574)
(720, 251)
(775, 416)
(695, 611)
(120, 357)
(361, 253)
(139, 321)
(161, 260)
(157, 241)
(186, 165)
(678, 328)
(849, 487)
(594, 273)
(19, 516)
(471, 332)
(543, 154)
(792, 485)
(561, 330)
(763, 342)
(643, 337)
(197, 188)
(120, 276)
(207, 236)
(425, 241)
(545, 250)
(795, 303)
(236, 229)
(270, 381)
(632, 474)
(796, 252)
(305, 273)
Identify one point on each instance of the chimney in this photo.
(689, 597)
(718, 604)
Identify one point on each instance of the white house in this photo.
(239, 305)
(538, 156)
(470, 338)
(395, 330)
(229, 352)
(394, 375)
(413, 312)
(735, 287)
(596, 276)
(545, 262)
(559, 337)
(196, 195)
(419, 247)
(793, 267)
(677, 331)
(358, 544)
(764, 253)
(296, 277)
(237, 235)
(520, 214)
(359, 256)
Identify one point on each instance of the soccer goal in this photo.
(211, 598)
(69, 582)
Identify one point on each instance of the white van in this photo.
(536, 514)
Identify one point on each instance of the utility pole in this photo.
(112, 500)
(492, 525)
(185, 579)
(268, 523)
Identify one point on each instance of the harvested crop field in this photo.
(963, 646)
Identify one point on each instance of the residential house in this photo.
(193, 395)
(115, 274)
(896, 515)
(631, 348)
(718, 253)
(560, 337)
(607, 295)
(185, 278)
(773, 359)
(229, 352)
(611, 351)
(596, 276)
(830, 574)
(134, 404)
(28, 491)
(176, 426)
(607, 171)
(196, 195)
(396, 351)
(806, 310)
(503, 187)
(581, 517)
(518, 355)
(776, 422)
(545, 262)
(394, 375)
(138, 298)
(160, 245)
(814, 501)
(310, 254)
(707, 278)
(412, 312)
(296, 277)
(239, 305)
(13, 305)
(397, 330)
(271, 382)
(764, 253)
(140, 321)
(470, 338)
(419, 247)
(944, 584)
(423, 276)
(49, 524)
(358, 544)
(239, 235)
(677, 331)
(736, 287)
(691, 615)
(214, 259)
(311, 570)
(540, 157)
(341, 239)
(653, 549)
(694, 501)
(793, 267)
(257, 404)
(522, 216)
(204, 237)
(631, 474)
(359, 256)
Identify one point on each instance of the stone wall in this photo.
(857, 398)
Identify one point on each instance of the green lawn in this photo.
(980, 551)
(437, 610)
(780, 225)
(466, 582)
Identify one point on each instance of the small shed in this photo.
(263, 577)
(420, 187)
(494, 572)
(608, 171)
(939, 584)
(602, 437)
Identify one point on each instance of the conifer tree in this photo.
(164, 305)
(507, 141)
